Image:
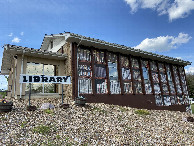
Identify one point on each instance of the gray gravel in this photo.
(94, 124)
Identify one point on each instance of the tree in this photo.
(190, 83)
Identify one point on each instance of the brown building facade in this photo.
(100, 71)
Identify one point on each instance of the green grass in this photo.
(142, 112)
(99, 110)
(23, 124)
(192, 108)
(42, 129)
(122, 109)
(48, 111)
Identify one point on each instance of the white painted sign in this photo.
(44, 79)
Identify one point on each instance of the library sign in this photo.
(45, 79)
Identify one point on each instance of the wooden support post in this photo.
(186, 81)
(180, 79)
(159, 77)
(173, 78)
(167, 79)
(107, 72)
(131, 69)
(151, 79)
(142, 78)
(93, 71)
(120, 73)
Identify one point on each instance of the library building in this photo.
(100, 71)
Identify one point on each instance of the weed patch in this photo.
(48, 111)
(142, 112)
(42, 129)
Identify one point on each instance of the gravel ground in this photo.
(94, 124)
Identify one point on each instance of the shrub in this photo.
(142, 112)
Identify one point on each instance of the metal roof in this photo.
(11, 50)
(101, 44)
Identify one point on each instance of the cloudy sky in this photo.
(161, 26)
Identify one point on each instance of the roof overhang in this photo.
(87, 41)
(48, 38)
(12, 50)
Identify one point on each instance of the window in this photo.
(100, 72)
(126, 75)
(183, 80)
(136, 75)
(159, 101)
(147, 82)
(155, 77)
(177, 80)
(84, 71)
(171, 83)
(40, 69)
(163, 79)
(113, 74)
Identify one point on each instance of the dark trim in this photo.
(151, 79)
(93, 74)
(107, 71)
(186, 82)
(76, 74)
(135, 101)
(167, 79)
(180, 79)
(130, 63)
(119, 69)
(173, 78)
(55, 73)
(62, 51)
(142, 78)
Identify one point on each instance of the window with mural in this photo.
(163, 79)
(147, 82)
(171, 83)
(126, 74)
(183, 80)
(40, 69)
(155, 77)
(177, 80)
(113, 74)
(136, 75)
(100, 72)
(84, 71)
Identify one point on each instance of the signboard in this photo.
(44, 79)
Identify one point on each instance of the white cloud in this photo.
(178, 57)
(190, 70)
(163, 43)
(22, 33)
(10, 35)
(176, 9)
(16, 40)
(180, 9)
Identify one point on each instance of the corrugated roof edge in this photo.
(36, 50)
(117, 46)
(132, 49)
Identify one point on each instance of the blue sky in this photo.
(161, 26)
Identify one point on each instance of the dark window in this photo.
(126, 75)
(136, 75)
(84, 71)
(155, 77)
(113, 74)
(100, 72)
(147, 82)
